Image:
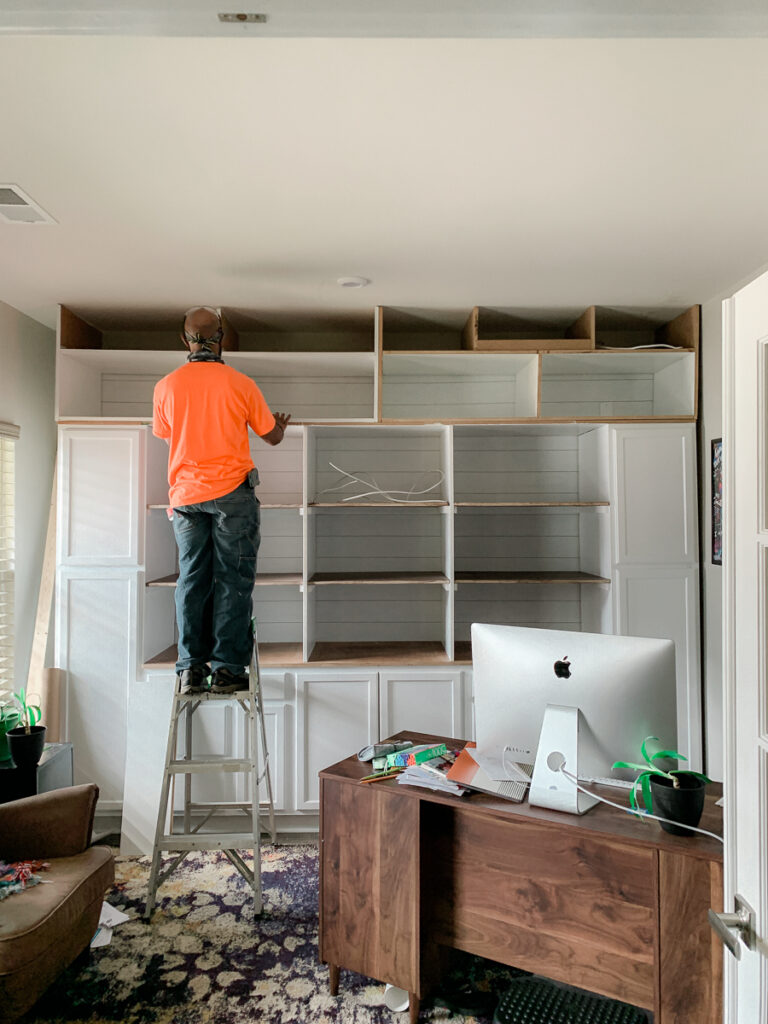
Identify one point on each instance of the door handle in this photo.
(732, 927)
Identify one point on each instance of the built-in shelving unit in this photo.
(441, 468)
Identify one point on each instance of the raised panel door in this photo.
(100, 496)
(336, 713)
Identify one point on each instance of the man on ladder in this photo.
(203, 410)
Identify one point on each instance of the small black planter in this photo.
(684, 805)
(26, 747)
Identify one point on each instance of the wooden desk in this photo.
(604, 901)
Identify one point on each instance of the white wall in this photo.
(27, 364)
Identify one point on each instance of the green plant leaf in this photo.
(668, 753)
(645, 782)
(644, 747)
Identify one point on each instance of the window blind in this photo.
(8, 437)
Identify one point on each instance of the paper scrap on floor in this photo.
(109, 919)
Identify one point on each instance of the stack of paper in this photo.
(432, 775)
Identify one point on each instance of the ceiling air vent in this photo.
(16, 207)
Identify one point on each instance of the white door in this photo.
(745, 643)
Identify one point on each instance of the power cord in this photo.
(556, 763)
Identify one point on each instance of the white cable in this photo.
(380, 491)
(629, 810)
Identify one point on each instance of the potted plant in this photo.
(673, 793)
(9, 717)
(27, 739)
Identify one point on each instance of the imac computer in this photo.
(578, 701)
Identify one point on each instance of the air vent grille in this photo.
(16, 207)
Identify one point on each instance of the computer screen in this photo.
(623, 685)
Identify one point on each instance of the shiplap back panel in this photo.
(403, 462)
(515, 467)
(442, 396)
(305, 398)
(78, 388)
(160, 551)
(547, 606)
(320, 398)
(280, 469)
(584, 395)
(379, 540)
(281, 541)
(278, 613)
(379, 613)
(517, 540)
(159, 618)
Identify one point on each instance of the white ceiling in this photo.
(253, 172)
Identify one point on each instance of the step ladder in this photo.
(192, 837)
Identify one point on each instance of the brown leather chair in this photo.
(44, 928)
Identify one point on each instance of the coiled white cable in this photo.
(643, 814)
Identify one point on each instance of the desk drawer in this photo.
(562, 902)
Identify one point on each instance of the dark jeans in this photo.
(218, 542)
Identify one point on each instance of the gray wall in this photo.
(711, 426)
(27, 365)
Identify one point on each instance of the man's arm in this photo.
(276, 434)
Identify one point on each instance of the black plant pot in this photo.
(26, 747)
(684, 804)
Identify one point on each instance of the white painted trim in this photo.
(729, 653)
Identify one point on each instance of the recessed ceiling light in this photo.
(243, 18)
(352, 282)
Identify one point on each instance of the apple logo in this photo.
(563, 669)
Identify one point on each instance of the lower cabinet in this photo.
(316, 717)
(96, 620)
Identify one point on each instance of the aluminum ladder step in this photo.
(199, 765)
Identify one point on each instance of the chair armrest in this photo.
(55, 824)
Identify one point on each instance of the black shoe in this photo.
(194, 679)
(224, 681)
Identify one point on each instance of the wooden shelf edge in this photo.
(329, 655)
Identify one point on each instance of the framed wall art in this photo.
(717, 501)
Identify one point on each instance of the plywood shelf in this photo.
(533, 504)
(270, 656)
(321, 578)
(272, 579)
(379, 653)
(264, 505)
(529, 577)
(377, 504)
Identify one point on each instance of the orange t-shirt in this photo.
(204, 409)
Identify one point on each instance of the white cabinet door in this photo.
(424, 700)
(663, 601)
(101, 496)
(654, 494)
(337, 714)
(96, 619)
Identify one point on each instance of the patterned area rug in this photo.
(204, 958)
